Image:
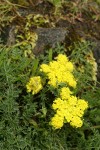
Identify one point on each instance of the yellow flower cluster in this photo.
(68, 108)
(59, 71)
(34, 85)
(65, 93)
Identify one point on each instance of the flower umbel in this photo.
(57, 121)
(65, 93)
(59, 71)
(34, 85)
(70, 109)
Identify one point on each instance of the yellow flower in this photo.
(76, 122)
(78, 112)
(70, 108)
(34, 85)
(44, 68)
(72, 101)
(67, 106)
(52, 79)
(62, 58)
(82, 104)
(65, 93)
(68, 116)
(69, 79)
(59, 71)
(69, 66)
(58, 103)
(57, 121)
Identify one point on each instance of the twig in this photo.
(15, 4)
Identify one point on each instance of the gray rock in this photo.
(49, 37)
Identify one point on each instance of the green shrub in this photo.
(25, 117)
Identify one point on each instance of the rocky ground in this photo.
(53, 27)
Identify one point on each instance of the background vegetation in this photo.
(24, 118)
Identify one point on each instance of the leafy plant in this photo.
(57, 4)
(86, 67)
(24, 117)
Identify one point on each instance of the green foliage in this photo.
(6, 15)
(57, 4)
(86, 67)
(24, 118)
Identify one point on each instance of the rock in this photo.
(49, 37)
(11, 36)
